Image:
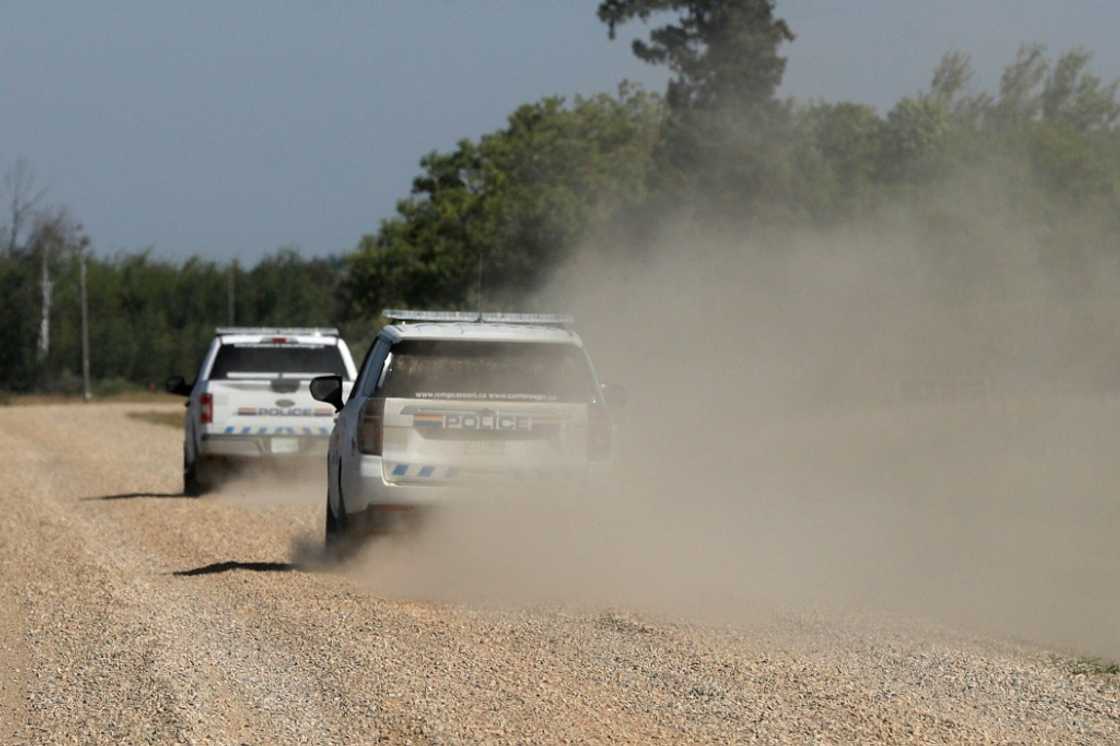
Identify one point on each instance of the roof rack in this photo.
(309, 331)
(474, 317)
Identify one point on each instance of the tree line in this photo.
(488, 222)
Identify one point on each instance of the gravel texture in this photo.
(101, 641)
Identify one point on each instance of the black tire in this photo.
(332, 534)
(194, 484)
(337, 536)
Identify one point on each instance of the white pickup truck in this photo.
(250, 400)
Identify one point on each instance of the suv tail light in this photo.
(206, 414)
(370, 421)
(598, 433)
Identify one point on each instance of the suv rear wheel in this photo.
(196, 476)
(337, 535)
(333, 530)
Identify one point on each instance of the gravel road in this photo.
(103, 642)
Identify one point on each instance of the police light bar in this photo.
(395, 314)
(539, 319)
(269, 331)
(472, 317)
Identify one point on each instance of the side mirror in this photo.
(614, 395)
(178, 385)
(328, 389)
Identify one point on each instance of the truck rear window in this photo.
(498, 371)
(274, 360)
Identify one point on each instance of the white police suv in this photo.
(447, 399)
(251, 399)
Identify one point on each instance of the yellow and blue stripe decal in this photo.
(423, 472)
(431, 472)
(314, 432)
(285, 412)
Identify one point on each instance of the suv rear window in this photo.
(261, 360)
(499, 371)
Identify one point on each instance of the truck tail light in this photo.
(370, 426)
(206, 414)
(598, 433)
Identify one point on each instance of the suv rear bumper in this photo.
(263, 446)
(436, 489)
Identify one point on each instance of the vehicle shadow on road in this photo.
(134, 495)
(218, 567)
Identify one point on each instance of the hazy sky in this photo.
(229, 129)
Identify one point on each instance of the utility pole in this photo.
(45, 290)
(83, 244)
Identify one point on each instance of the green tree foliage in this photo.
(289, 290)
(151, 318)
(723, 54)
(1076, 98)
(914, 140)
(505, 210)
(18, 296)
(722, 148)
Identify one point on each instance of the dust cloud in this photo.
(873, 417)
(299, 482)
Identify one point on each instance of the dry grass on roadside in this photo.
(8, 398)
(171, 419)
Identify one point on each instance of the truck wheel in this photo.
(194, 477)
